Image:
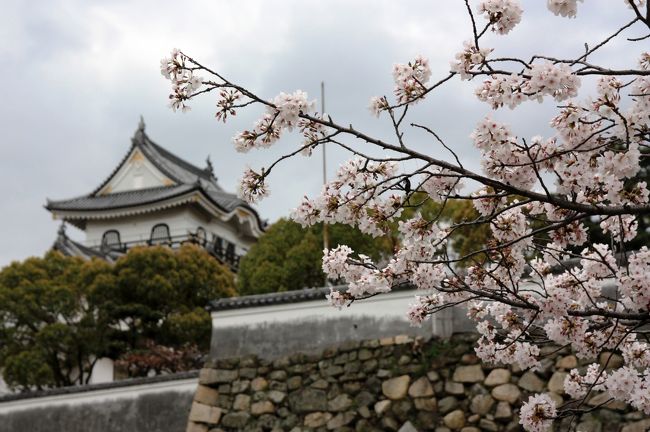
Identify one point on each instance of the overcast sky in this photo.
(76, 76)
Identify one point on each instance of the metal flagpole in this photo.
(326, 239)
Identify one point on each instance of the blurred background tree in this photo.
(51, 330)
(288, 256)
(59, 315)
(160, 295)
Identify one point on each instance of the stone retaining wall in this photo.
(394, 384)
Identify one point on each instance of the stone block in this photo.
(340, 420)
(340, 403)
(531, 382)
(506, 392)
(421, 388)
(454, 388)
(202, 413)
(382, 406)
(308, 400)
(317, 419)
(217, 376)
(235, 420)
(262, 407)
(556, 383)
(426, 404)
(469, 374)
(396, 388)
(206, 395)
(242, 402)
(481, 404)
(497, 377)
(259, 384)
(454, 420)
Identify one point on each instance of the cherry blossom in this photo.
(411, 79)
(504, 15)
(540, 277)
(377, 105)
(565, 8)
(556, 80)
(468, 59)
(537, 413)
(252, 186)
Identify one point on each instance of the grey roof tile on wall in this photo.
(102, 386)
(256, 300)
(306, 294)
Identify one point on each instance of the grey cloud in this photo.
(79, 73)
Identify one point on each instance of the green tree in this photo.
(288, 257)
(59, 314)
(160, 295)
(51, 332)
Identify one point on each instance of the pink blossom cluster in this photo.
(184, 82)
(421, 241)
(500, 90)
(441, 183)
(539, 276)
(634, 281)
(469, 59)
(537, 413)
(502, 157)
(555, 80)
(282, 113)
(486, 202)
(565, 8)
(411, 79)
(377, 105)
(421, 309)
(355, 197)
(252, 186)
(630, 383)
(360, 273)
(504, 15)
(545, 78)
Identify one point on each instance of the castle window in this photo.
(201, 235)
(160, 234)
(217, 246)
(111, 240)
(230, 253)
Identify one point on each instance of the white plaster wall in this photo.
(103, 371)
(181, 221)
(389, 305)
(136, 173)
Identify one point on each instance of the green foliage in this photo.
(49, 326)
(59, 314)
(159, 294)
(288, 257)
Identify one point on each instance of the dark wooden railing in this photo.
(218, 247)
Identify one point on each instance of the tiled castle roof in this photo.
(186, 176)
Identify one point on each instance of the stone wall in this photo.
(394, 384)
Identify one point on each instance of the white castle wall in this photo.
(181, 221)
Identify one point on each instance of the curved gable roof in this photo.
(186, 176)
